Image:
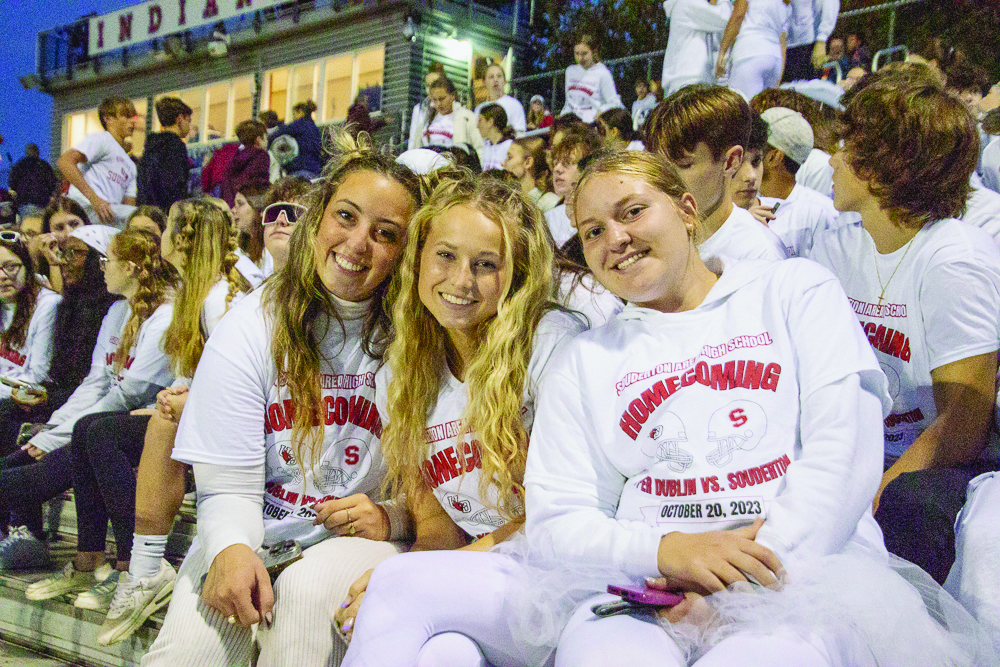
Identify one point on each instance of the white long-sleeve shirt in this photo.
(696, 29)
(983, 209)
(30, 362)
(825, 13)
(816, 172)
(764, 401)
(146, 372)
(990, 165)
(514, 110)
(590, 92)
(800, 216)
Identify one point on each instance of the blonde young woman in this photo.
(475, 330)
(199, 242)
(284, 437)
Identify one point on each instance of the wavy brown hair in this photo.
(299, 305)
(142, 249)
(205, 235)
(496, 376)
(715, 115)
(914, 144)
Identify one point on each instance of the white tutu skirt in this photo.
(867, 613)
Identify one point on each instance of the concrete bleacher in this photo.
(55, 627)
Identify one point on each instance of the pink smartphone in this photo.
(647, 596)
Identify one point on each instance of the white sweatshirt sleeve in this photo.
(832, 484)
(709, 18)
(827, 11)
(572, 489)
(97, 381)
(39, 340)
(609, 98)
(416, 125)
(230, 506)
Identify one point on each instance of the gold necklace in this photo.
(893, 274)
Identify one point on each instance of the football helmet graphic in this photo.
(893, 378)
(738, 425)
(330, 476)
(487, 518)
(458, 503)
(662, 442)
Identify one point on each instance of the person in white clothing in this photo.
(745, 186)
(285, 203)
(456, 446)
(576, 145)
(590, 88)
(644, 103)
(990, 165)
(757, 32)
(696, 28)
(615, 128)
(702, 129)
(283, 433)
(497, 136)
(252, 259)
(101, 173)
(801, 212)
(926, 290)
(713, 436)
(128, 368)
(983, 208)
(448, 122)
(496, 93)
(812, 23)
(526, 162)
(418, 118)
(29, 315)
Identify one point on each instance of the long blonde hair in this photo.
(205, 235)
(295, 298)
(142, 249)
(496, 376)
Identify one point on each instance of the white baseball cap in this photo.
(97, 237)
(789, 132)
(422, 161)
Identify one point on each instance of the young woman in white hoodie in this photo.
(722, 432)
(590, 88)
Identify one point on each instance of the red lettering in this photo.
(351, 456)
(211, 9)
(240, 4)
(646, 485)
(895, 346)
(630, 426)
(373, 421)
(124, 27)
(751, 376)
(359, 410)
(456, 468)
(430, 477)
(655, 395)
(340, 417)
(701, 374)
(442, 468)
(181, 19)
(100, 34)
(688, 378)
(905, 353)
(661, 487)
(738, 417)
(329, 407)
(277, 417)
(155, 18)
(724, 377)
(770, 379)
(639, 411)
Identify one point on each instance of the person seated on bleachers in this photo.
(285, 204)
(62, 216)
(575, 146)
(448, 123)
(497, 135)
(199, 242)
(615, 128)
(279, 455)
(254, 262)
(926, 289)
(590, 88)
(539, 117)
(251, 164)
(85, 302)
(526, 161)
(496, 93)
(127, 370)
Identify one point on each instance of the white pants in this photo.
(638, 641)
(306, 596)
(754, 74)
(439, 609)
(974, 579)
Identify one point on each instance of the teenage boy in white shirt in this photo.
(802, 212)
(702, 129)
(108, 175)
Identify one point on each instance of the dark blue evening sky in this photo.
(25, 115)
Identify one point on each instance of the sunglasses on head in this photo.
(273, 212)
(8, 236)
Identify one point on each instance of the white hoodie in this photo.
(590, 92)
(764, 401)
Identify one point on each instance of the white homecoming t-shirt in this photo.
(816, 172)
(941, 305)
(240, 414)
(109, 171)
(590, 92)
(983, 209)
(690, 422)
(441, 131)
(456, 486)
(800, 217)
(492, 156)
(559, 224)
(742, 236)
(30, 362)
(585, 295)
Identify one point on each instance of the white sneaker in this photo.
(99, 596)
(70, 580)
(21, 550)
(134, 601)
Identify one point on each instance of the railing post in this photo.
(552, 103)
(892, 24)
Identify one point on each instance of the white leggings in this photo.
(306, 596)
(638, 641)
(974, 579)
(439, 609)
(751, 75)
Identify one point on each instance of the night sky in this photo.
(25, 115)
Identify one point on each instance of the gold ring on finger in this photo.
(348, 515)
(231, 620)
(350, 529)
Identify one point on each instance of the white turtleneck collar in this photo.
(350, 310)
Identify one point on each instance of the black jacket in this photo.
(33, 180)
(163, 171)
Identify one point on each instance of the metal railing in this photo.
(885, 53)
(524, 87)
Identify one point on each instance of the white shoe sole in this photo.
(37, 596)
(135, 622)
